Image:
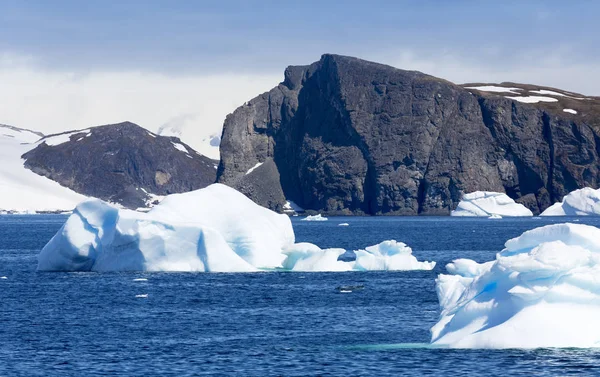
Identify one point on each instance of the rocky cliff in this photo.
(344, 135)
(122, 163)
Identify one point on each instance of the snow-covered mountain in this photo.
(21, 190)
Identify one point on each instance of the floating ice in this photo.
(343, 224)
(140, 279)
(214, 229)
(309, 257)
(487, 204)
(315, 218)
(389, 255)
(3, 278)
(145, 295)
(542, 290)
(582, 202)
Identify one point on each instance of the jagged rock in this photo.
(122, 163)
(352, 136)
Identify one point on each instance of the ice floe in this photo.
(488, 204)
(582, 202)
(317, 217)
(542, 290)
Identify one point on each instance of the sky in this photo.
(187, 64)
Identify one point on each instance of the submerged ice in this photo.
(489, 204)
(215, 229)
(542, 290)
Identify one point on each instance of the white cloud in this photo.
(51, 101)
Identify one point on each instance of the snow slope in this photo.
(542, 290)
(583, 202)
(486, 204)
(21, 190)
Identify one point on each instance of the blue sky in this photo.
(116, 59)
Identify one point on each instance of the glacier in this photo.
(215, 229)
(489, 204)
(582, 202)
(542, 290)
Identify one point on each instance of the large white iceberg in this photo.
(542, 290)
(386, 256)
(487, 203)
(583, 202)
(214, 229)
(316, 217)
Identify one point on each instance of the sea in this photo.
(258, 324)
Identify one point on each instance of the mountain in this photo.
(21, 190)
(121, 163)
(348, 136)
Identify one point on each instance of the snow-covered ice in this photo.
(317, 217)
(533, 99)
(54, 140)
(23, 191)
(570, 111)
(487, 204)
(582, 202)
(542, 290)
(213, 229)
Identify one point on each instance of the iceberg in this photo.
(215, 229)
(390, 256)
(315, 218)
(308, 257)
(582, 202)
(489, 204)
(542, 290)
(386, 256)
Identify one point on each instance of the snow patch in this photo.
(533, 99)
(253, 168)
(487, 204)
(495, 89)
(62, 138)
(180, 147)
(542, 290)
(571, 111)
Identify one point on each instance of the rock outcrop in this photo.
(351, 136)
(122, 163)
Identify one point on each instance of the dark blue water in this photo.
(274, 323)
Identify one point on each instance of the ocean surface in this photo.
(261, 324)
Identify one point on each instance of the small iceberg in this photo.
(140, 279)
(343, 224)
(542, 290)
(386, 256)
(3, 278)
(145, 295)
(315, 218)
(582, 202)
(487, 204)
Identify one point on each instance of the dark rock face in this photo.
(121, 163)
(349, 136)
